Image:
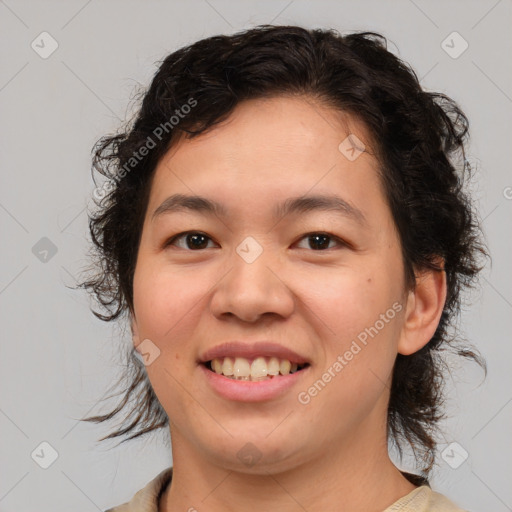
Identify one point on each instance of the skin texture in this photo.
(329, 454)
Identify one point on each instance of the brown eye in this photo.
(320, 241)
(194, 240)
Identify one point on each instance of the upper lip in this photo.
(252, 350)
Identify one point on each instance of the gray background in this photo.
(57, 359)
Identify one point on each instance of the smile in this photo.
(255, 369)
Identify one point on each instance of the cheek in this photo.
(359, 310)
(347, 299)
(359, 363)
(167, 306)
(164, 298)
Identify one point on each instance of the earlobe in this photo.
(135, 331)
(423, 311)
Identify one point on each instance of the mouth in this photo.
(255, 369)
(247, 381)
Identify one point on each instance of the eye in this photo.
(194, 240)
(320, 241)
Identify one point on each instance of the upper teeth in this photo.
(259, 367)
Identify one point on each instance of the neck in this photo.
(355, 475)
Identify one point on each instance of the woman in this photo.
(285, 228)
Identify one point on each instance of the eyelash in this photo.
(338, 240)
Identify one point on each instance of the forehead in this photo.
(278, 133)
(269, 150)
(298, 123)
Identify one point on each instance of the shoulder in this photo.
(424, 499)
(146, 500)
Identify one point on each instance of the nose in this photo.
(250, 290)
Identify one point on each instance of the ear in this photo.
(135, 330)
(423, 311)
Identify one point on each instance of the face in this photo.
(326, 283)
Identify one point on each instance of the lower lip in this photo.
(251, 391)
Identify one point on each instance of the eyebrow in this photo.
(293, 205)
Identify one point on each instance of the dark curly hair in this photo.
(418, 138)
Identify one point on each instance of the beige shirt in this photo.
(422, 499)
